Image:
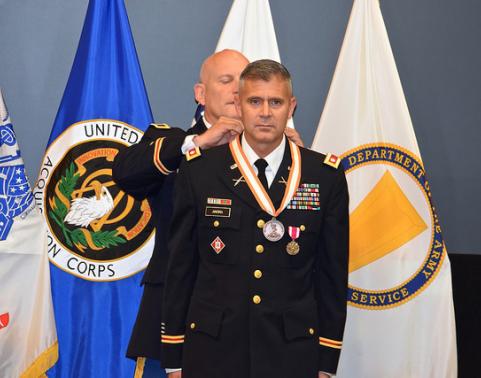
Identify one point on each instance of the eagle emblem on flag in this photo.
(15, 194)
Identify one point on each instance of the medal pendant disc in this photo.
(292, 248)
(273, 230)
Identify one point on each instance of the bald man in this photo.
(144, 171)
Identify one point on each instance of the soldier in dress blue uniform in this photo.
(257, 276)
(144, 170)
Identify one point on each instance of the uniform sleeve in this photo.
(332, 275)
(181, 270)
(141, 168)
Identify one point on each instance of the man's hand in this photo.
(222, 132)
(293, 136)
(175, 374)
(321, 375)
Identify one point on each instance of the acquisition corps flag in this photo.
(400, 320)
(99, 239)
(28, 340)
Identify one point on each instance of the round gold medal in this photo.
(292, 248)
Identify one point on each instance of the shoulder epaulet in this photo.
(332, 160)
(160, 125)
(192, 153)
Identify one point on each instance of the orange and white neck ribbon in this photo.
(255, 185)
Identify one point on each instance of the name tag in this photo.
(215, 211)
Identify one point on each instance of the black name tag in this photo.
(214, 211)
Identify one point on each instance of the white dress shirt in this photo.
(189, 142)
(274, 159)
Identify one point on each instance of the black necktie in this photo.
(261, 165)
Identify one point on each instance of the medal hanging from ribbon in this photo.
(292, 247)
(274, 229)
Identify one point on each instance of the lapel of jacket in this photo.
(198, 128)
(278, 186)
(232, 177)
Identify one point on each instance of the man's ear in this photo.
(237, 105)
(292, 106)
(199, 93)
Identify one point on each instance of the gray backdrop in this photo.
(435, 43)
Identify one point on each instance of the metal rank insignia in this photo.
(273, 230)
(192, 153)
(217, 245)
(160, 125)
(292, 247)
(332, 160)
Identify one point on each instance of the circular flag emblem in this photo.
(95, 230)
(396, 247)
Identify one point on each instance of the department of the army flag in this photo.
(400, 320)
(28, 340)
(99, 239)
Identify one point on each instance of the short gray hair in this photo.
(264, 70)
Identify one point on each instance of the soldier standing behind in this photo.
(144, 171)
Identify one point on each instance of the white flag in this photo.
(400, 320)
(28, 340)
(249, 29)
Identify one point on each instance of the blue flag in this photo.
(99, 238)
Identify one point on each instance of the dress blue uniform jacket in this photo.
(147, 170)
(252, 310)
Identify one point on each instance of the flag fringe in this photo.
(44, 362)
(139, 367)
